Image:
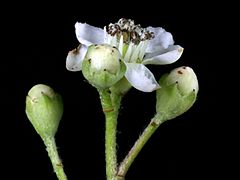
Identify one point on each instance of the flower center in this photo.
(130, 32)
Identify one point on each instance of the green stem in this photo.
(110, 104)
(147, 133)
(54, 157)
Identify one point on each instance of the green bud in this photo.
(102, 66)
(44, 109)
(177, 94)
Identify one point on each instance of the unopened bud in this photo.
(178, 92)
(44, 109)
(102, 66)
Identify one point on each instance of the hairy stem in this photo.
(54, 157)
(110, 104)
(147, 133)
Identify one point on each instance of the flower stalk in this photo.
(54, 157)
(137, 147)
(110, 105)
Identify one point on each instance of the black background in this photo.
(36, 42)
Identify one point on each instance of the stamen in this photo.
(129, 31)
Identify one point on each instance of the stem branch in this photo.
(147, 133)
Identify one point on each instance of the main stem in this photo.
(147, 133)
(110, 104)
(55, 159)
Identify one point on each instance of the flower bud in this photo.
(44, 109)
(102, 66)
(177, 94)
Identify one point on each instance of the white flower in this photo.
(138, 47)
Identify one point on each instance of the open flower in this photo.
(138, 47)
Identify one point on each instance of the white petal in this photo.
(89, 35)
(75, 58)
(172, 54)
(141, 77)
(161, 38)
